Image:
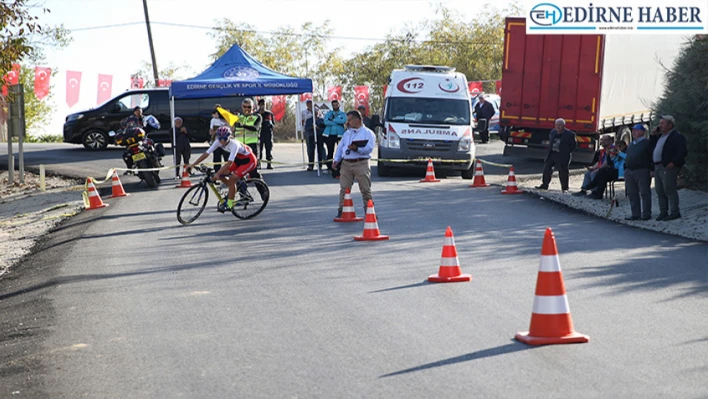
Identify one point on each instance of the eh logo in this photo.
(546, 14)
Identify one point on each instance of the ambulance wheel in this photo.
(383, 171)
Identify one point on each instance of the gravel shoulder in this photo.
(27, 214)
(693, 223)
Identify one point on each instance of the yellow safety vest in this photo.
(244, 135)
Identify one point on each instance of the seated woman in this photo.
(612, 170)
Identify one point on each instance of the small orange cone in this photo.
(185, 183)
(479, 176)
(117, 187)
(550, 319)
(430, 174)
(511, 187)
(95, 201)
(371, 226)
(449, 271)
(348, 212)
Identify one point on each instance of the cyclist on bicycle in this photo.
(241, 161)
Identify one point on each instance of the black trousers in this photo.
(183, 155)
(331, 142)
(484, 135)
(266, 143)
(561, 163)
(311, 150)
(254, 173)
(599, 183)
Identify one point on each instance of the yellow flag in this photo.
(230, 118)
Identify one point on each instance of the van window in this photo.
(127, 103)
(428, 110)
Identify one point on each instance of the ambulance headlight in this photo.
(393, 140)
(464, 144)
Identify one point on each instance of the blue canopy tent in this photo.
(236, 73)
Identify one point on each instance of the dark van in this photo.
(91, 127)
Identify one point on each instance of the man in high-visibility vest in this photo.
(248, 128)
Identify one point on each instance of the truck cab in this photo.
(427, 115)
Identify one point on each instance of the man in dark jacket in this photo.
(484, 110)
(266, 138)
(561, 143)
(668, 155)
(637, 178)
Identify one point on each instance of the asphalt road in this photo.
(125, 302)
(73, 160)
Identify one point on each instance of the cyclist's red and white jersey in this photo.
(238, 153)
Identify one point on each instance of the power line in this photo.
(212, 28)
(89, 28)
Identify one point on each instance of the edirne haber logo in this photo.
(685, 17)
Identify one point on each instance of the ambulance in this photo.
(427, 115)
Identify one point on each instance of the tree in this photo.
(686, 99)
(474, 48)
(171, 72)
(17, 25)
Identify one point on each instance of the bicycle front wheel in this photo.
(254, 201)
(192, 204)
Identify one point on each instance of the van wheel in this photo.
(383, 171)
(95, 140)
(469, 173)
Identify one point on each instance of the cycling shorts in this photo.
(243, 165)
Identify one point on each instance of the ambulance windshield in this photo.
(428, 111)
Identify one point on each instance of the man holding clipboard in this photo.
(354, 152)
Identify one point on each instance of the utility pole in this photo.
(152, 48)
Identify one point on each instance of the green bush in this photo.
(686, 99)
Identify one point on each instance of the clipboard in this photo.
(360, 143)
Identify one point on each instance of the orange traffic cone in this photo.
(95, 201)
(371, 226)
(479, 176)
(117, 187)
(185, 183)
(511, 187)
(348, 212)
(430, 174)
(449, 271)
(550, 320)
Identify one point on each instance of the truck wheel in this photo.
(95, 140)
(624, 134)
(383, 171)
(469, 173)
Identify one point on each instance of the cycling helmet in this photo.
(223, 132)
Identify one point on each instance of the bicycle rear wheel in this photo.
(192, 204)
(257, 196)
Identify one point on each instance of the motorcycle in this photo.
(141, 152)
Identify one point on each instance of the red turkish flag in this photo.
(361, 97)
(41, 81)
(385, 87)
(334, 93)
(11, 78)
(475, 87)
(498, 86)
(305, 96)
(278, 108)
(105, 85)
(164, 82)
(73, 87)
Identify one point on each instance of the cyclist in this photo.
(241, 161)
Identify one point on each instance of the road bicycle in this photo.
(252, 196)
